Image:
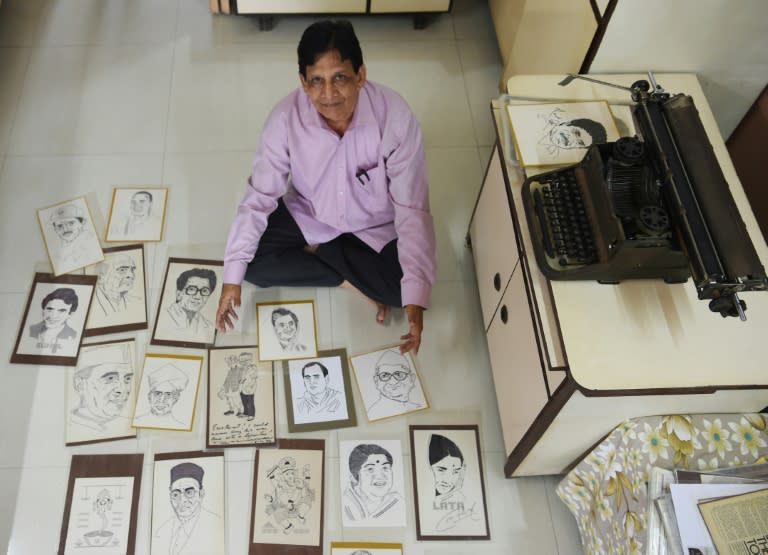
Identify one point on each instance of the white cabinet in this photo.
(406, 6)
(300, 6)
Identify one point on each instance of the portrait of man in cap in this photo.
(395, 382)
(165, 386)
(103, 382)
(193, 528)
(69, 235)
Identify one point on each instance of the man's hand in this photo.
(228, 302)
(415, 325)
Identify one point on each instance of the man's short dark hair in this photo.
(360, 454)
(314, 363)
(143, 193)
(204, 273)
(441, 447)
(595, 129)
(279, 312)
(64, 294)
(324, 36)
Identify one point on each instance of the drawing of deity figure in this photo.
(291, 497)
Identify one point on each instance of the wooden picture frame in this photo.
(391, 395)
(137, 214)
(70, 237)
(282, 331)
(350, 548)
(560, 133)
(101, 393)
(184, 482)
(332, 405)
(106, 477)
(120, 298)
(230, 383)
(168, 380)
(448, 483)
(288, 473)
(173, 326)
(64, 302)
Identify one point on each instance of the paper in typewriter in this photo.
(560, 133)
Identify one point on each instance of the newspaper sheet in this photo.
(738, 524)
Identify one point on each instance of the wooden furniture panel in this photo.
(405, 6)
(300, 6)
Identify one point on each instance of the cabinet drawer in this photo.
(494, 244)
(517, 371)
(300, 6)
(408, 6)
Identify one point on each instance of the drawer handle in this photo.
(497, 281)
(503, 314)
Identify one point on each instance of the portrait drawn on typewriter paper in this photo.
(120, 299)
(448, 483)
(101, 393)
(286, 330)
(389, 383)
(372, 490)
(187, 309)
(101, 505)
(54, 318)
(359, 548)
(288, 497)
(69, 235)
(318, 393)
(241, 399)
(168, 392)
(188, 504)
(137, 214)
(549, 134)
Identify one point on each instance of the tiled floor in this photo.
(99, 93)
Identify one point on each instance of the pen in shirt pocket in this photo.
(363, 173)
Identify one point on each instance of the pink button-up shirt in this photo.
(301, 157)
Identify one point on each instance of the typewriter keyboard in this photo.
(566, 233)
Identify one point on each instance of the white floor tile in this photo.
(472, 20)
(13, 67)
(89, 22)
(481, 66)
(563, 521)
(94, 100)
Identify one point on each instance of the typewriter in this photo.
(650, 207)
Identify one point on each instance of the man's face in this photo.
(285, 328)
(140, 204)
(68, 229)
(314, 380)
(448, 474)
(195, 294)
(119, 276)
(162, 398)
(245, 359)
(106, 390)
(376, 476)
(56, 313)
(570, 136)
(186, 497)
(333, 87)
(394, 381)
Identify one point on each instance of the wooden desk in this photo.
(572, 359)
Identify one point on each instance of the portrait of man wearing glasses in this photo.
(193, 289)
(192, 528)
(395, 381)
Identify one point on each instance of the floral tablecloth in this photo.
(606, 491)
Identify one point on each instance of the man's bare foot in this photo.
(311, 248)
(382, 313)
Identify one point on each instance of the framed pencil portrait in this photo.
(358, 548)
(318, 393)
(69, 236)
(286, 330)
(241, 398)
(137, 214)
(287, 503)
(101, 505)
(448, 488)
(120, 299)
(101, 393)
(52, 327)
(188, 504)
(168, 392)
(389, 383)
(186, 313)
